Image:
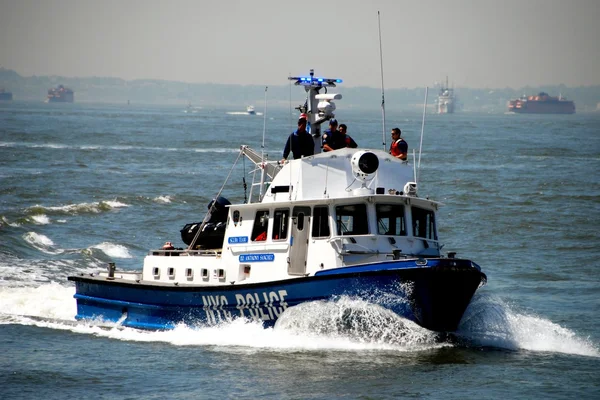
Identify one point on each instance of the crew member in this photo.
(338, 139)
(328, 135)
(399, 147)
(300, 143)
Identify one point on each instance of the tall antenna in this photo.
(262, 156)
(382, 91)
(290, 115)
(264, 123)
(422, 129)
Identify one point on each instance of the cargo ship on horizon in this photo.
(541, 104)
(5, 96)
(60, 94)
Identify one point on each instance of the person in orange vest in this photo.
(399, 147)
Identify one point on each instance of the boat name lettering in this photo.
(267, 257)
(238, 239)
(265, 306)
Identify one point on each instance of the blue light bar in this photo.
(314, 81)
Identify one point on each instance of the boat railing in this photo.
(348, 245)
(185, 253)
(352, 246)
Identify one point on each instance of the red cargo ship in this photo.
(542, 104)
(60, 94)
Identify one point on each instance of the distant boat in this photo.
(5, 96)
(250, 110)
(191, 109)
(60, 94)
(541, 104)
(446, 100)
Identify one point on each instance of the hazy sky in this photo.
(477, 43)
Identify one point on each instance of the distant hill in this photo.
(142, 91)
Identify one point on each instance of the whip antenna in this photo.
(262, 156)
(264, 123)
(382, 91)
(422, 129)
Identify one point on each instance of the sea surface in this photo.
(82, 185)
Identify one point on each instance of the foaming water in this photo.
(113, 250)
(41, 242)
(51, 301)
(342, 325)
(19, 273)
(41, 219)
(163, 199)
(74, 209)
(345, 324)
(5, 222)
(358, 321)
(491, 322)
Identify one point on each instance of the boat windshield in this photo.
(352, 220)
(391, 220)
(423, 222)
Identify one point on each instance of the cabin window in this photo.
(261, 224)
(423, 222)
(280, 224)
(390, 220)
(352, 219)
(320, 222)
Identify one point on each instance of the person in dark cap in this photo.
(399, 147)
(328, 135)
(300, 143)
(334, 139)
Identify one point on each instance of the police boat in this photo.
(349, 222)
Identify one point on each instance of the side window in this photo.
(390, 220)
(280, 224)
(320, 222)
(261, 223)
(351, 219)
(423, 223)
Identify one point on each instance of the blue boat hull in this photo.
(434, 295)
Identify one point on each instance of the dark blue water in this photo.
(83, 185)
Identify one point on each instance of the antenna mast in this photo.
(262, 156)
(422, 129)
(382, 90)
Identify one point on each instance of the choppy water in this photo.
(82, 185)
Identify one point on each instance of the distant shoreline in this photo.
(119, 91)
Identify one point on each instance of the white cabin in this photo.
(327, 211)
